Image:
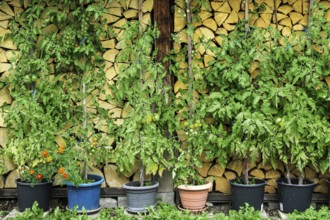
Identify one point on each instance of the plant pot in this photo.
(328, 181)
(139, 199)
(86, 195)
(293, 196)
(253, 194)
(28, 194)
(194, 197)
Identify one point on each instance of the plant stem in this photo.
(288, 177)
(246, 16)
(190, 74)
(246, 171)
(141, 84)
(84, 126)
(301, 178)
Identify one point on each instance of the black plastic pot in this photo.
(28, 194)
(253, 194)
(328, 190)
(293, 196)
(139, 199)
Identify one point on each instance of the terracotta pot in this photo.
(194, 197)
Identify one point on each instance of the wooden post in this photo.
(164, 19)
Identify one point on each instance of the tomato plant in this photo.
(141, 138)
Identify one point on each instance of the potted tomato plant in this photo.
(195, 135)
(141, 138)
(235, 103)
(298, 97)
(81, 66)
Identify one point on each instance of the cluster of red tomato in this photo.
(38, 177)
(61, 171)
(60, 149)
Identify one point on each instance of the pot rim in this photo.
(280, 182)
(132, 185)
(262, 182)
(20, 182)
(93, 176)
(205, 186)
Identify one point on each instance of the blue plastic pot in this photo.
(85, 196)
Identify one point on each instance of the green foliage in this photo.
(162, 211)
(141, 138)
(298, 95)
(195, 135)
(311, 214)
(235, 101)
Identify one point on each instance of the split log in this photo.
(236, 165)
(222, 185)
(204, 169)
(321, 189)
(203, 15)
(5, 97)
(216, 170)
(272, 182)
(272, 174)
(220, 18)
(180, 20)
(10, 179)
(258, 173)
(2, 182)
(230, 175)
(210, 23)
(270, 189)
(309, 173)
(147, 6)
(265, 166)
(112, 178)
(3, 58)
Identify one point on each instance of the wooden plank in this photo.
(163, 17)
(60, 192)
(214, 197)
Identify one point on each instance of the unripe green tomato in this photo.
(278, 120)
(34, 78)
(156, 117)
(308, 52)
(27, 79)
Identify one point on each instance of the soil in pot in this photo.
(293, 196)
(194, 197)
(252, 193)
(85, 196)
(140, 198)
(28, 194)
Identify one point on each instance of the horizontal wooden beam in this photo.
(213, 197)
(61, 193)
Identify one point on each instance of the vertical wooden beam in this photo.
(163, 17)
